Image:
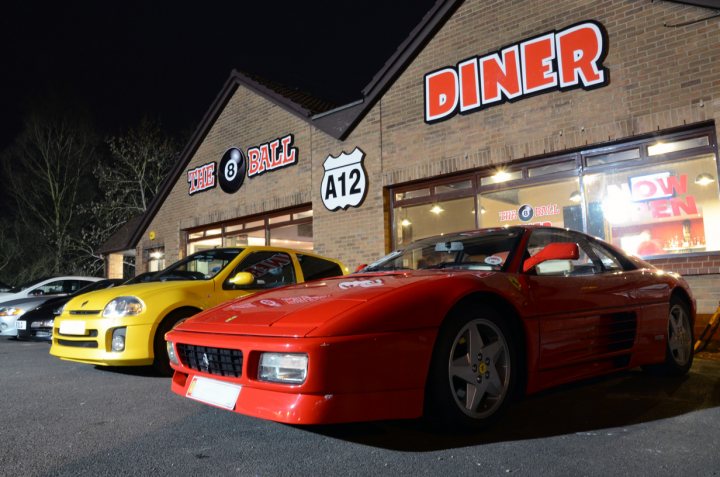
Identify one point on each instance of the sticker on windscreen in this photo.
(493, 260)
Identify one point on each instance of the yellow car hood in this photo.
(147, 292)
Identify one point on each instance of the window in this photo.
(270, 269)
(594, 258)
(419, 221)
(291, 229)
(59, 287)
(314, 268)
(155, 259)
(659, 209)
(554, 203)
(200, 266)
(583, 265)
(652, 197)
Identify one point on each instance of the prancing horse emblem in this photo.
(205, 362)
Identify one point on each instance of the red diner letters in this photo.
(570, 58)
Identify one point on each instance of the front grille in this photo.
(78, 344)
(84, 312)
(218, 361)
(88, 333)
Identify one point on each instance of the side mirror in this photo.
(553, 251)
(360, 267)
(242, 278)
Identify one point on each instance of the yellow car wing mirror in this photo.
(242, 278)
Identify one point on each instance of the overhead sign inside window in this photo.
(344, 183)
(566, 59)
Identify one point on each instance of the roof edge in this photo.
(404, 55)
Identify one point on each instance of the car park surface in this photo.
(125, 326)
(124, 421)
(451, 328)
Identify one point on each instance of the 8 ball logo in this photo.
(233, 167)
(526, 212)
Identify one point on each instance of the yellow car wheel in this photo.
(161, 363)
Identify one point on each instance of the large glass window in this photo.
(291, 229)
(660, 209)
(652, 197)
(556, 203)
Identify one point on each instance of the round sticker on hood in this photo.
(493, 260)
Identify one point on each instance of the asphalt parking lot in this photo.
(62, 418)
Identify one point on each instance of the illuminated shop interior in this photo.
(653, 197)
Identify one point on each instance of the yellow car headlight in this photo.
(123, 306)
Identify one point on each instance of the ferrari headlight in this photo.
(290, 368)
(171, 353)
(11, 311)
(123, 306)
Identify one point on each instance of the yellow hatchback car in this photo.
(126, 325)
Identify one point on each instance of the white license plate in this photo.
(211, 391)
(72, 328)
(20, 325)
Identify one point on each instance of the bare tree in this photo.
(127, 182)
(48, 164)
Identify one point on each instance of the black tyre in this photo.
(474, 371)
(161, 362)
(679, 350)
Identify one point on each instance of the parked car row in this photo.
(126, 326)
(19, 300)
(452, 328)
(37, 323)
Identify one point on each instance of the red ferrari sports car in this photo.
(452, 328)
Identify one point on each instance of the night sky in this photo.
(168, 60)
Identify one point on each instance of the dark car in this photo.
(37, 324)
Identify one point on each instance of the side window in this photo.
(270, 269)
(610, 262)
(584, 265)
(71, 286)
(314, 268)
(53, 288)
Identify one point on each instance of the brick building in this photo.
(594, 115)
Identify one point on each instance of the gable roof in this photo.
(337, 121)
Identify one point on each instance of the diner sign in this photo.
(557, 60)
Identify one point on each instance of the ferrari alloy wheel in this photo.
(479, 368)
(680, 339)
(474, 372)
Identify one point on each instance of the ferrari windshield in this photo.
(476, 250)
(199, 266)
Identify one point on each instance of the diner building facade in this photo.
(599, 116)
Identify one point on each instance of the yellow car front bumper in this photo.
(90, 341)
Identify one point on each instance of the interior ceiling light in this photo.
(704, 179)
(405, 223)
(575, 197)
(501, 176)
(437, 210)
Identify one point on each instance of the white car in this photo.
(10, 302)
